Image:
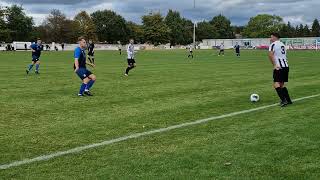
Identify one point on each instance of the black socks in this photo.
(281, 94)
(286, 95)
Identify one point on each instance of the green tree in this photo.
(60, 29)
(262, 25)
(306, 31)
(187, 31)
(110, 26)
(155, 29)
(315, 28)
(223, 27)
(205, 30)
(174, 21)
(19, 24)
(299, 31)
(135, 32)
(4, 31)
(86, 25)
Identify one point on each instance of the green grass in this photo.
(42, 114)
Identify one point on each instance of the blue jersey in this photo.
(37, 48)
(80, 54)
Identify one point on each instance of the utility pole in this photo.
(194, 26)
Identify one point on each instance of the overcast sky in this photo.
(239, 11)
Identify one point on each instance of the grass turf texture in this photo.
(42, 114)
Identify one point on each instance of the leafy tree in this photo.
(205, 30)
(18, 23)
(306, 31)
(135, 32)
(57, 28)
(187, 31)
(86, 25)
(174, 21)
(110, 26)
(223, 27)
(299, 31)
(262, 25)
(155, 29)
(315, 28)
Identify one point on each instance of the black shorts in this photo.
(131, 62)
(91, 54)
(281, 75)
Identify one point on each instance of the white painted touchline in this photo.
(136, 135)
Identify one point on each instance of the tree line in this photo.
(110, 27)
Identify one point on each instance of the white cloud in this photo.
(239, 11)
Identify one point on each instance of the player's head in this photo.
(39, 41)
(275, 37)
(131, 41)
(90, 41)
(82, 42)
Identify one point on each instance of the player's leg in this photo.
(278, 86)
(30, 66)
(93, 79)
(92, 57)
(285, 76)
(131, 65)
(83, 86)
(37, 67)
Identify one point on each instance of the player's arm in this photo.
(76, 64)
(77, 54)
(271, 56)
(33, 48)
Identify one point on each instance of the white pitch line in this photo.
(137, 135)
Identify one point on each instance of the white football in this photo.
(254, 98)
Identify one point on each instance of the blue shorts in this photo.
(83, 73)
(35, 58)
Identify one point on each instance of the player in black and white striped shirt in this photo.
(278, 58)
(131, 61)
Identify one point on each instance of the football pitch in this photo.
(132, 117)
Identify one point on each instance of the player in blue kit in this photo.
(80, 62)
(36, 53)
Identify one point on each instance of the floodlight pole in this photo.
(194, 27)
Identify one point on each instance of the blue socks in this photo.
(82, 88)
(89, 85)
(30, 67)
(37, 67)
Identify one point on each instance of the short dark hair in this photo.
(277, 35)
(81, 38)
(38, 39)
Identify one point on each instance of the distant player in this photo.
(62, 46)
(120, 49)
(36, 53)
(91, 52)
(131, 61)
(237, 48)
(190, 52)
(278, 58)
(88, 79)
(221, 52)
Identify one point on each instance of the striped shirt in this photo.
(130, 51)
(280, 54)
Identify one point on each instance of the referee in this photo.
(278, 58)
